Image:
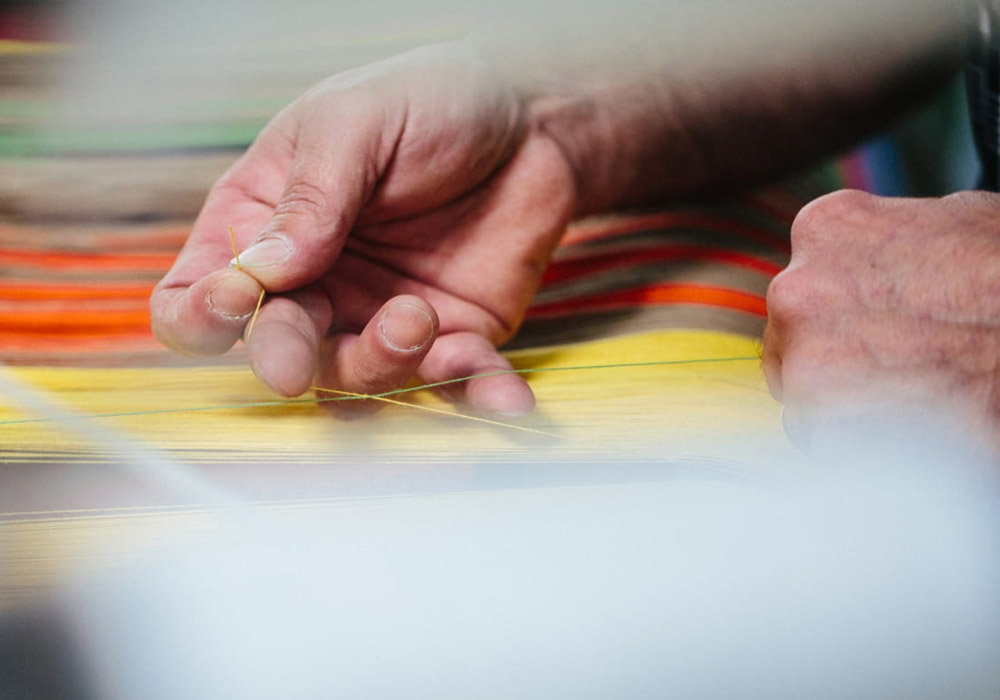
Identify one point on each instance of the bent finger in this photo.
(283, 343)
(207, 317)
(382, 358)
(466, 354)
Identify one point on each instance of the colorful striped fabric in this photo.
(78, 295)
(704, 267)
(75, 274)
(86, 231)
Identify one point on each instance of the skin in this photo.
(379, 198)
(400, 216)
(889, 307)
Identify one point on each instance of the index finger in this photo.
(201, 304)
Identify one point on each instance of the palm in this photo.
(442, 192)
(477, 259)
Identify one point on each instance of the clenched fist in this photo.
(889, 308)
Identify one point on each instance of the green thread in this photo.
(394, 392)
(576, 368)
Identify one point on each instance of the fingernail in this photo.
(233, 297)
(270, 251)
(406, 327)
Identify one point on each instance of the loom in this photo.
(667, 541)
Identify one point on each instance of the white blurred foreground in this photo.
(868, 582)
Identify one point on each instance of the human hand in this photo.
(889, 305)
(399, 217)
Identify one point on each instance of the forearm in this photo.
(717, 94)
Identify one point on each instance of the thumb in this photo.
(335, 167)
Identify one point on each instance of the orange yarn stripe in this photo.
(20, 291)
(159, 262)
(99, 341)
(74, 322)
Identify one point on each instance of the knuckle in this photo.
(846, 202)
(791, 295)
(824, 217)
(966, 197)
(971, 201)
(371, 376)
(301, 195)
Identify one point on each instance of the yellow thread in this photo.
(260, 299)
(253, 319)
(396, 392)
(434, 410)
(236, 252)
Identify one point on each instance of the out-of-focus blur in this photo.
(870, 581)
(871, 573)
(195, 81)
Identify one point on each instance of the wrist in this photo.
(579, 108)
(570, 123)
(625, 143)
